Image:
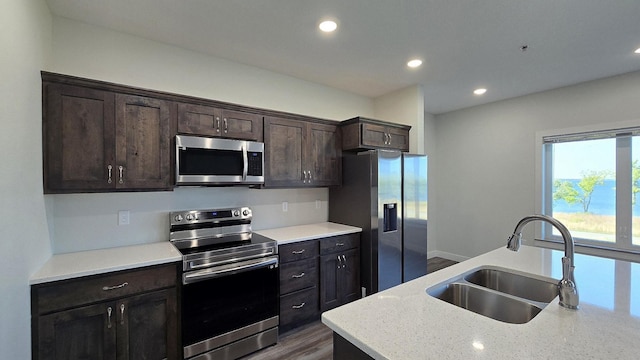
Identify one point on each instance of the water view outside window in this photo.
(584, 188)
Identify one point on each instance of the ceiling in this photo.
(464, 44)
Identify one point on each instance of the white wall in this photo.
(485, 171)
(89, 221)
(25, 38)
(404, 106)
(430, 151)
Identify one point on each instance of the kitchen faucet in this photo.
(567, 286)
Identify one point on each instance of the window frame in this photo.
(623, 248)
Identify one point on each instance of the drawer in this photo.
(299, 306)
(298, 275)
(339, 243)
(298, 251)
(76, 292)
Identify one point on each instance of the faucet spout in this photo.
(567, 287)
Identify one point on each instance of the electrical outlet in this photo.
(285, 206)
(123, 217)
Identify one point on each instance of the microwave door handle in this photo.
(245, 160)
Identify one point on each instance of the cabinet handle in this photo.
(121, 169)
(109, 168)
(339, 244)
(297, 252)
(304, 176)
(109, 310)
(310, 177)
(298, 306)
(107, 288)
(389, 136)
(339, 263)
(344, 262)
(226, 126)
(298, 276)
(121, 314)
(217, 124)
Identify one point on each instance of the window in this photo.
(591, 183)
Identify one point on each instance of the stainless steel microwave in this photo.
(212, 161)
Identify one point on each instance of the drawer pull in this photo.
(298, 276)
(294, 252)
(109, 310)
(298, 306)
(344, 261)
(107, 288)
(339, 244)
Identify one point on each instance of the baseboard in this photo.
(446, 255)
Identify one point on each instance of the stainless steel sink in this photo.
(497, 293)
(514, 284)
(487, 303)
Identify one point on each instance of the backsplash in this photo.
(81, 222)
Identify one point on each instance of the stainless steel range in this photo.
(229, 283)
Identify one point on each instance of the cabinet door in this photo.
(350, 277)
(82, 333)
(241, 125)
(323, 155)
(198, 120)
(147, 326)
(79, 132)
(398, 139)
(284, 146)
(374, 135)
(142, 143)
(329, 282)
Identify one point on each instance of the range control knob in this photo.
(236, 212)
(190, 217)
(178, 217)
(246, 212)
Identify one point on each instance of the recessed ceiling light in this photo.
(637, 51)
(480, 91)
(414, 63)
(328, 26)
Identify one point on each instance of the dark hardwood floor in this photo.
(437, 263)
(309, 342)
(315, 341)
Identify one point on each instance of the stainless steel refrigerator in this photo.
(385, 193)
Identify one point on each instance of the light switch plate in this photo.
(285, 206)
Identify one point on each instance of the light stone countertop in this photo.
(405, 323)
(93, 262)
(291, 234)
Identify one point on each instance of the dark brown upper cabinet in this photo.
(100, 140)
(365, 134)
(211, 121)
(301, 153)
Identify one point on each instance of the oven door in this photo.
(229, 306)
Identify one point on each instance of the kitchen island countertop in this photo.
(405, 323)
(291, 234)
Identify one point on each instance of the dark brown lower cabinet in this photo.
(136, 326)
(339, 278)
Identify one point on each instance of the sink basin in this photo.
(514, 284)
(487, 303)
(498, 294)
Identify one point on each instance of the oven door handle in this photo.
(213, 273)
